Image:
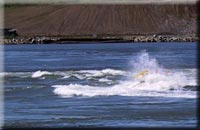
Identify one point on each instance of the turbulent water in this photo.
(95, 85)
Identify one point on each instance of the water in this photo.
(94, 85)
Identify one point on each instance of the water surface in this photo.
(76, 85)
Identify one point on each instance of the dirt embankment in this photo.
(102, 20)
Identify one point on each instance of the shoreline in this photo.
(18, 40)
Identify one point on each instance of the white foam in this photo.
(81, 74)
(105, 80)
(144, 62)
(66, 77)
(151, 87)
(101, 73)
(122, 89)
(39, 73)
(17, 74)
(159, 82)
(81, 77)
(113, 72)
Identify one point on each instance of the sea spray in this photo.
(159, 82)
(144, 62)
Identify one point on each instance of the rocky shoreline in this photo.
(105, 39)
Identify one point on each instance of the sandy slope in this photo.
(102, 19)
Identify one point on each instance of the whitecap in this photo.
(159, 82)
(39, 73)
(104, 80)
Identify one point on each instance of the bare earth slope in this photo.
(66, 20)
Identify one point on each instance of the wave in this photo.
(39, 73)
(100, 73)
(190, 87)
(125, 89)
(67, 74)
(22, 88)
(154, 85)
(107, 82)
(91, 74)
(159, 82)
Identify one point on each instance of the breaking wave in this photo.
(39, 73)
(158, 82)
(80, 74)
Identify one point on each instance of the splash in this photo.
(144, 62)
(159, 82)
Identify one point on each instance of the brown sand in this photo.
(68, 20)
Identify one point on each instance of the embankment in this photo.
(104, 22)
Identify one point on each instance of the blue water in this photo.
(92, 85)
